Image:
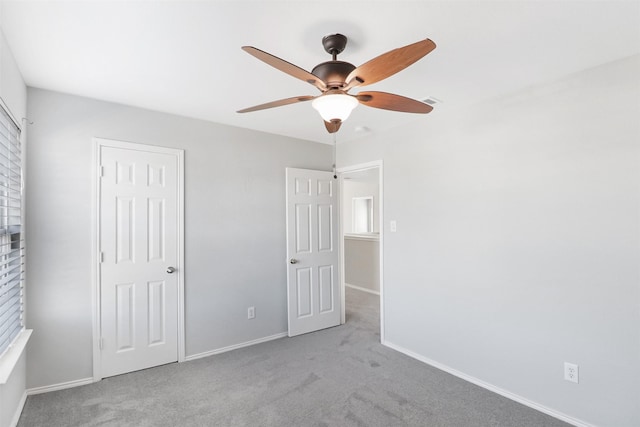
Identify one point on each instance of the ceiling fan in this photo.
(335, 78)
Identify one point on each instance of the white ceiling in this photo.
(184, 57)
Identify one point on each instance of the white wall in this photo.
(13, 393)
(518, 242)
(234, 226)
(12, 88)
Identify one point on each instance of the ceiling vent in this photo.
(431, 100)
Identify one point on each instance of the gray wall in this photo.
(519, 240)
(362, 263)
(234, 226)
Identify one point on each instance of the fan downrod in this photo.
(333, 72)
(334, 44)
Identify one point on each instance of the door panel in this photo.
(156, 230)
(124, 316)
(325, 228)
(326, 288)
(313, 287)
(125, 212)
(303, 228)
(139, 241)
(156, 292)
(303, 286)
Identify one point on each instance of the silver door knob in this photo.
(170, 270)
(293, 261)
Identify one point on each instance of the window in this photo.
(11, 239)
(362, 213)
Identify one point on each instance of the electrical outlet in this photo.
(393, 226)
(571, 372)
(251, 313)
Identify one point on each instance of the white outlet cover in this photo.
(571, 372)
(393, 226)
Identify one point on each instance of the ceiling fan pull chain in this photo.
(335, 175)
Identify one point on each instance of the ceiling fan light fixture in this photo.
(335, 78)
(334, 106)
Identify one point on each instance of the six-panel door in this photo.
(312, 247)
(138, 234)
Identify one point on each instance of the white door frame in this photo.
(377, 164)
(98, 143)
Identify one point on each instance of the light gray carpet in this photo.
(340, 376)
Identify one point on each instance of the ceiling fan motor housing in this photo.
(333, 73)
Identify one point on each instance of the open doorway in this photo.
(361, 239)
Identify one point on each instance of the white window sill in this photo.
(9, 359)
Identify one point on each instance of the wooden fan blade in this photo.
(333, 126)
(284, 66)
(388, 64)
(389, 101)
(278, 103)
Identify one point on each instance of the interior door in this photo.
(138, 243)
(313, 288)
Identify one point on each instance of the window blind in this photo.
(11, 240)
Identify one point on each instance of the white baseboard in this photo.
(509, 395)
(235, 347)
(16, 415)
(60, 386)
(370, 291)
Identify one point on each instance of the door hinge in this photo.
(101, 172)
(101, 343)
(101, 257)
